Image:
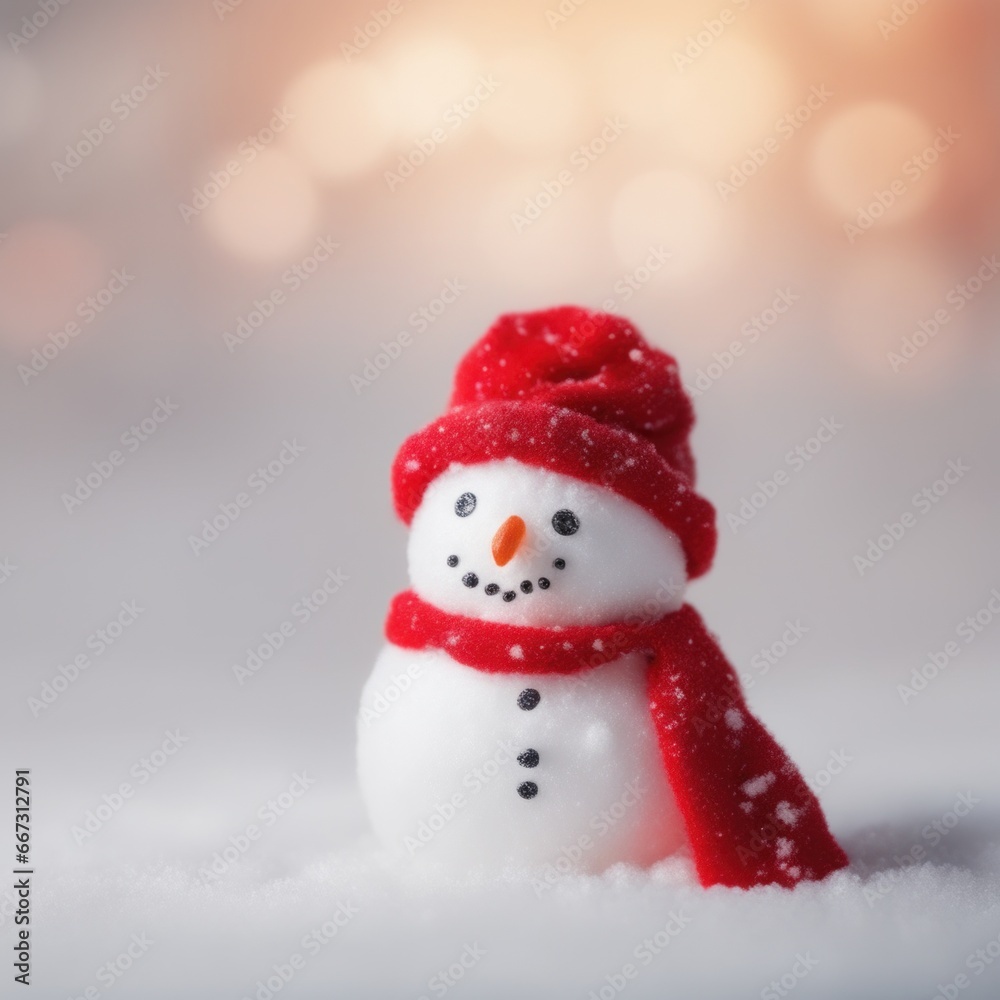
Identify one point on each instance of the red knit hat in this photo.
(580, 393)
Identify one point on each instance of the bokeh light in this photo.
(535, 242)
(851, 21)
(677, 210)
(424, 77)
(47, 268)
(344, 118)
(636, 72)
(266, 211)
(877, 153)
(538, 102)
(729, 99)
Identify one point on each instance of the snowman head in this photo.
(558, 488)
(510, 542)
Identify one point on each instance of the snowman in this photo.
(546, 697)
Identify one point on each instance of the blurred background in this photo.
(218, 218)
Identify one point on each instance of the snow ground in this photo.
(899, 925)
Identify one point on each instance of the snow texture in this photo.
(922, 894)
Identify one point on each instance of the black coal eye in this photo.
(565, 522)
(465, 504)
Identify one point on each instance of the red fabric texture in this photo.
(580, 393)
(750, 817)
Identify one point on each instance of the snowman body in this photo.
(548, 702)
(498, 770)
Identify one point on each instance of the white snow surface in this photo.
(904, 920)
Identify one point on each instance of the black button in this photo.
(543, 583)
(527, 789)
(528, 699)
(559, 563)
(528, 759)
(452, 560)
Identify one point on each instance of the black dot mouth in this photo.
(471, 580)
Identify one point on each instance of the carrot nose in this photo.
(508, 539)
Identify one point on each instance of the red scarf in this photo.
(750, 817)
